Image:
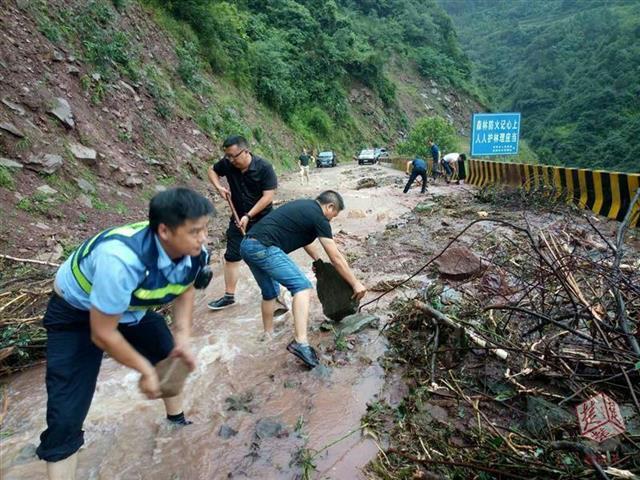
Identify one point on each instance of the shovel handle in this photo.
(235, 216)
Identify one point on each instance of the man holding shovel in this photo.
(102, 298)
(252, 186)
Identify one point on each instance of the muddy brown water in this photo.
(126, 436)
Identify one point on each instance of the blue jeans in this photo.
(271, 267)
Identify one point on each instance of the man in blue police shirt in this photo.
(101, 301)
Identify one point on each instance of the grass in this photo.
(37, 204)
(6, 179)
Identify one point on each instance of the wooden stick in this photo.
(28, 260)
(429, 310)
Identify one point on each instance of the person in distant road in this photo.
(455, 163)
(435, 156)
(303, 163)
(265, 249)
(252, 187)
(101, 301)
(416, 168)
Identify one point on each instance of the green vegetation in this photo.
(571, 68)
(6, 179)
(301, 58)
(429, 127)
(38, 203)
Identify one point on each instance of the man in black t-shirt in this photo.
(303, 163)
(252, 186)
(295, 224)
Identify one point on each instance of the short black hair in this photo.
(175, 206)
(238, 140)
(463, 157)
(331, 196)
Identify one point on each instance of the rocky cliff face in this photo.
(100, 108)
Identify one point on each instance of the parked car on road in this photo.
(367, 155)
(381, 153)
(326, 159)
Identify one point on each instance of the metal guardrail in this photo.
(606, 193)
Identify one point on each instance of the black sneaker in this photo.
(306, 353)
(221, 303)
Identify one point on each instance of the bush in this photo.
(436, 128)
(6, 179)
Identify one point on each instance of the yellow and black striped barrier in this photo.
(605, 193)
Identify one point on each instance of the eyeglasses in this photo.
(233, 157)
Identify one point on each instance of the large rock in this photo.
(81, 152)
(366, 183)
(84, 201)
(85, 186)
(356, 322)
(459, 263)
(334, 292)
(44, 163)
(8, 163)
(46, 190)
(12, 129)
(62, 111)
(13, 106)
(270, 427)
(132, 181)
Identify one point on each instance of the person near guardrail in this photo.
(453, 164)
(435, 156)
(416, 168)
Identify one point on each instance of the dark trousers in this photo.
(73, 363)
(415, 174)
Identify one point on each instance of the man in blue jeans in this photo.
(416, 168)
(102, 298)
(295, 224)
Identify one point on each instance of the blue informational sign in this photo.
(495, 134)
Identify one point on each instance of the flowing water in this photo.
(280, 409)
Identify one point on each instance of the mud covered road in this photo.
(279, 410)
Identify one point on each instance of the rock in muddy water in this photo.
(270, 427)
(27, 454)
(459, 263)
(322, 372)
(62, 111)
(367, 182)
(44, 163)
(356, 322)
(81, 152)
(425, 207)
(334, 292)
(227, 432)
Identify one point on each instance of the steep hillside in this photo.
(571, 68)
(104, 103)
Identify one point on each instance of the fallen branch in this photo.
(28, 260)
(433, 313)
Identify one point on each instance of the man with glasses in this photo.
(252, 186)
